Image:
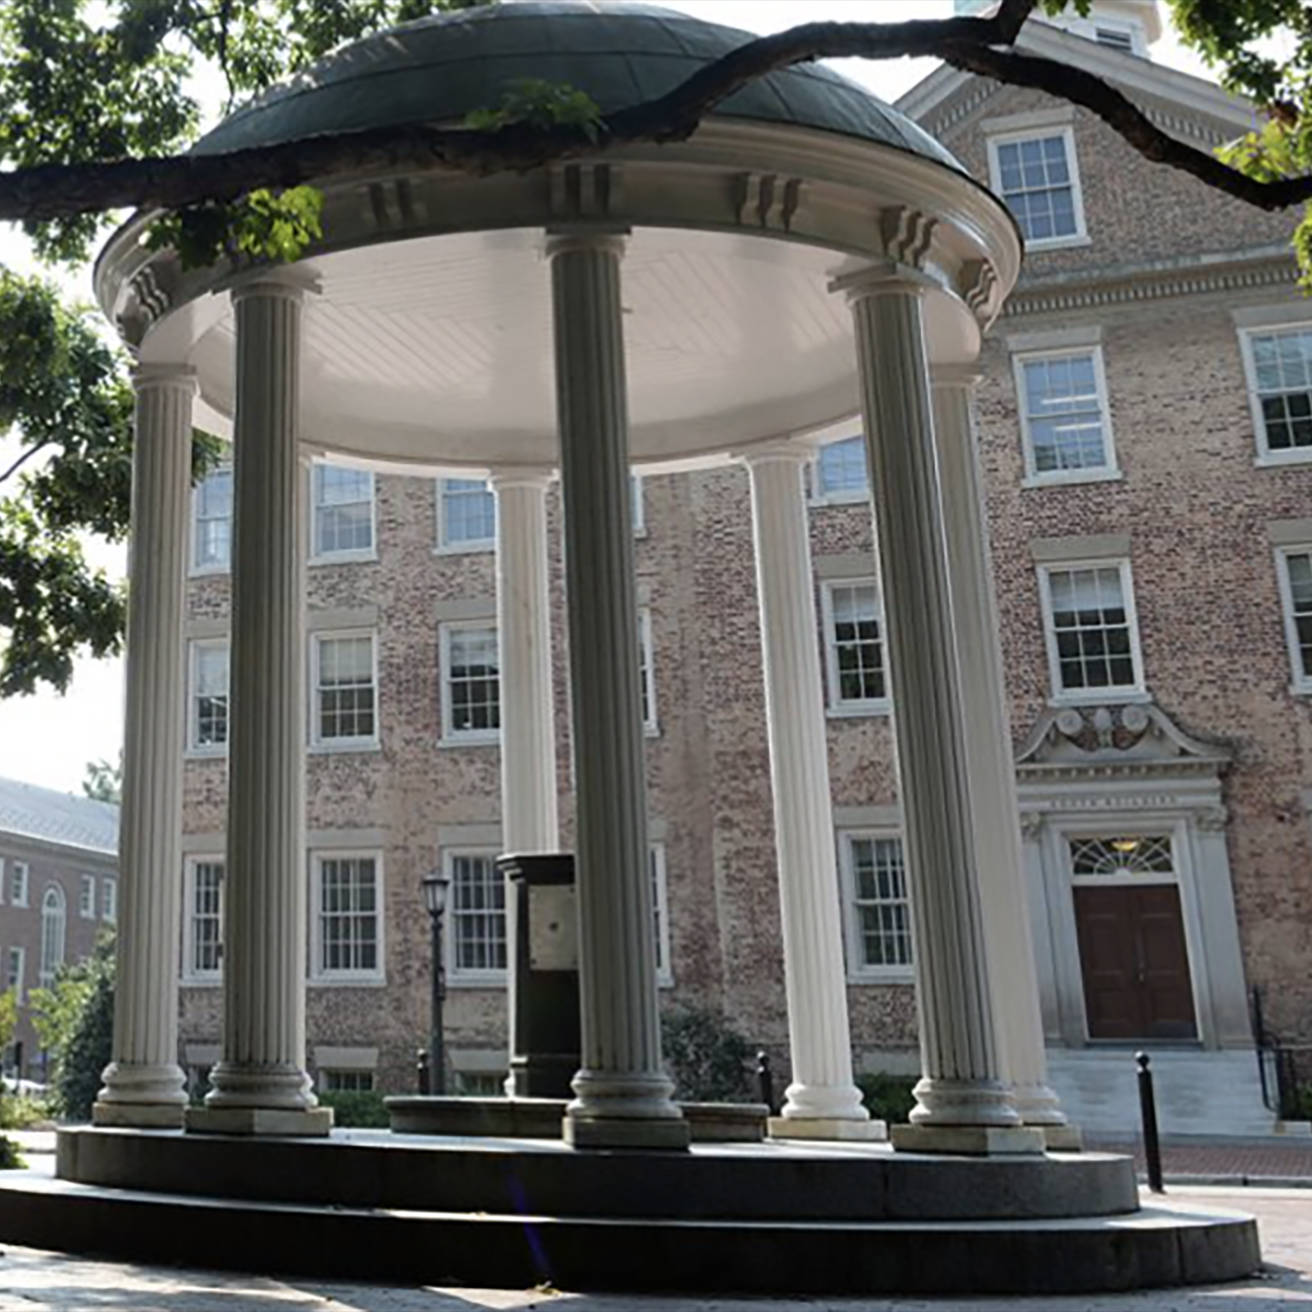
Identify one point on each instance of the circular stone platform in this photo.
(751, 1218)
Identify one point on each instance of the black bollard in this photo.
(422, 1072)
(765, 1079)
(1152, 1149)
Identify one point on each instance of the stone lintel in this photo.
(969, 1140)
(827, 1127)
(309, 1122)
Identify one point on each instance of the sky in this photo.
(46, 738)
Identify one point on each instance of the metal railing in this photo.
(1284, 1069)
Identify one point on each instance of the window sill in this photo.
(651, 730)
(346, 982)
(449, 740)
(862, 711)
(346, 747)
(1300, 689)
(1073, 478)
(888, 975)
(840, 499)
(477, 979)
(209, 571)
(479, 548)
(1272, 460)
(1041, 244)
(205, 753)
(664, 981)
(1099, 697)
(200, 982)
(344, 558)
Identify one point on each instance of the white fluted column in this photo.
(143, 1082)
(260, 1084)
(529, 821)
(962, 1102)
(622, 1095)
(822, 1101)
(994, 809)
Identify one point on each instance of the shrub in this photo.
(887, 1097)
(707, 1058)
(21, 1111)
(74, 1020)
(362, 1108)
(10, 1158)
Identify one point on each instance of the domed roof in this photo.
(439, 68)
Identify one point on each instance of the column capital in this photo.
(290, 282)
(883, 278)
(566, 241)
(539, 476)
(785, 450)
(147, 377)
(956, 375)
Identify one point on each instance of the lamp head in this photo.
(435, 886)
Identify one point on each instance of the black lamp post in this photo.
(435, 888)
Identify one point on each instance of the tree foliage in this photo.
(103, 781)
(707, 1058)
(97, 106)
(74, 1020)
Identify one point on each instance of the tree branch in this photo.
(22, 460)
(977, 45)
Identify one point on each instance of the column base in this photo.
(141, 1115)
(307, 1122)
(670, 1132)
(826, 1127)
(968, 1140)
(1061, 1138)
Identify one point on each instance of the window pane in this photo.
(348, 914)
(1123, 854)
(857, 644)
(1035, 179)
(478, 914)
(206, 917)
(879, 895)
(343, 509)
(210, 706)
(468, 511)
(1063, 413)
(1091, 628)
(1282, 365)
(841, 467)
(346, 688)
(473, 682)
(212, 503)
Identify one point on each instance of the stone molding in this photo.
(1090, 546)
(1289, 532)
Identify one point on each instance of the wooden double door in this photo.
(1134, 961)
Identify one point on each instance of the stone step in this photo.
(1154, 1247)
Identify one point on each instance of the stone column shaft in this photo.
(622, 1093)
(143, 1082)
(822, 1101)
(995, 813)
(260, 1084)
(962, 1103)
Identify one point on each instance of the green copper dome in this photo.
(437, 69)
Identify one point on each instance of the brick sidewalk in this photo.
(1237, 1159)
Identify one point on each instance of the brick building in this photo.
(58, 890)
(1145, 427)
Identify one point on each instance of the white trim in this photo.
(356, 743)
(1300, 679)
(109, 899)
(318, 975)
(18, 974)
(189, 975)
(1266, 457)
(196, 570)
(86, 897)
(465, 977)
(1054, 339)
(58, 937)
(354, 554)
(1035, 477)
(20, 889)
(1091, 696)
(193, 747)
(1029, 122)
(474, 546)
(638, 503)
(1080, 237)
(857, 971)
(661, 908)
(646, 654)
(463, 737)
(836, 705)
(4, 883)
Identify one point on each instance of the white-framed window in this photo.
(347, 939)
(4, 883)
(109, 899)
(344, 689)
(1294, 572)
(466, 515)
(646, 672)
(471, 682)
(476, 917)
(638, 505)
(346, 1081)
(840, 472)
(1064, 416)
(479, 1084)
(86, 899)
(1036, 174)
(660, 909)
(341, 513)
(202, 931)
(15, 969)
(1120, 858)
(211, 522)
(1091, 630)
(1278, 366)
(855, 665)
(18, 882)
(207, 707)
(54, 916)
(875, 896)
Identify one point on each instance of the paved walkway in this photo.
(1283, 1161)
(32, 1281)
